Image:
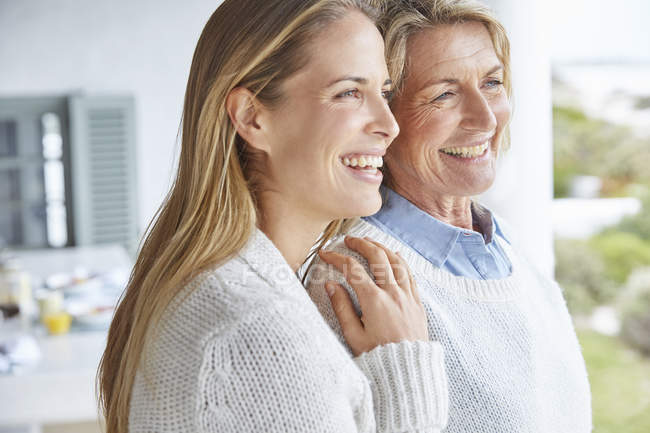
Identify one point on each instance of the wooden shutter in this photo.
(103, 166)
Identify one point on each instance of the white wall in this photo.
(141, 47)
(144, 47)
(523, 192)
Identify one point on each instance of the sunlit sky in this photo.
(600, 30)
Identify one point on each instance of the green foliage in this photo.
(635, 311)
(638, 224)
(581, 272)
(562, 175)
(586, 146)
(642, 103)
(622, 252)
(620, 385)
(636, 331)
(591, 271)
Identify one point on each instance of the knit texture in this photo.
(244, 349)
(512, 359)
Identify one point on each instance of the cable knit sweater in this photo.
(244, 349)
(511, 354)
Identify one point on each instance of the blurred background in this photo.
(91, 96)
(601, 208)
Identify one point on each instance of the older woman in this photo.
(511, 355)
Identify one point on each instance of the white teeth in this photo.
(362, 162)
(365, 161)
(467, 152)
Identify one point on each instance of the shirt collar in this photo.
(430, 237)
(484, 219)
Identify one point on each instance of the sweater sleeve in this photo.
(408, 379)
(409, 386)
(273, 372)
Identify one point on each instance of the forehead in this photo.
(450, 49)
(348, 45)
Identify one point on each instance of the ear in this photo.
(245, 111)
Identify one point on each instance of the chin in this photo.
(471, 189)
(363, 206)
(479, 189)
(480, 183)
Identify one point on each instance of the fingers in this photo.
(412, 285)
(345, 313)
(378, 262)
(398, 266)
(401, 271)
(354, 273)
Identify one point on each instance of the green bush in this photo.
(642, 103)
(622, 252)
(638, 224)
(581, 272)
(587, 146)
(635, 311)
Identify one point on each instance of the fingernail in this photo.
(329, 288)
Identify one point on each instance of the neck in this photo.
(453, 210)
(292, 232)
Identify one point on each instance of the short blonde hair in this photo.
(403, 18)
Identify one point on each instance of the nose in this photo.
(478, 115)
(382, 121)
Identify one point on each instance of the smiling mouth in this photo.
(468, 151)
(363, 162)
(364, 167)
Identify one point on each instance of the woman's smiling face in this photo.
(452, 112)
(334, 113)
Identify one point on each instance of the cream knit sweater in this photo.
(244, 349)
(512, 358)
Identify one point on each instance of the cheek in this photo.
(419, 134)
(311, 144)
(432, 133)
(502, 111)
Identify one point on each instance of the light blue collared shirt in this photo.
(459, 251)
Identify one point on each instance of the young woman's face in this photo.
(334, 114)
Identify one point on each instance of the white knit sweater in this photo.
(244, 349)
(512, 357)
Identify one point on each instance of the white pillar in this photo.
(523, 191)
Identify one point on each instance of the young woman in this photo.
(284, 125)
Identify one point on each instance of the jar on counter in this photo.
(15, 289)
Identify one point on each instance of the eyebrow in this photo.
(360, 80)
(454, 80)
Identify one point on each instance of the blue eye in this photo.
(388, 94)
(352, 92)
(493, 83)
(442, 97)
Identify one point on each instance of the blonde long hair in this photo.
(210, 211)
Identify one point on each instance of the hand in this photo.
(391, 310)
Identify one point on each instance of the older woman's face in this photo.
(451, 113)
